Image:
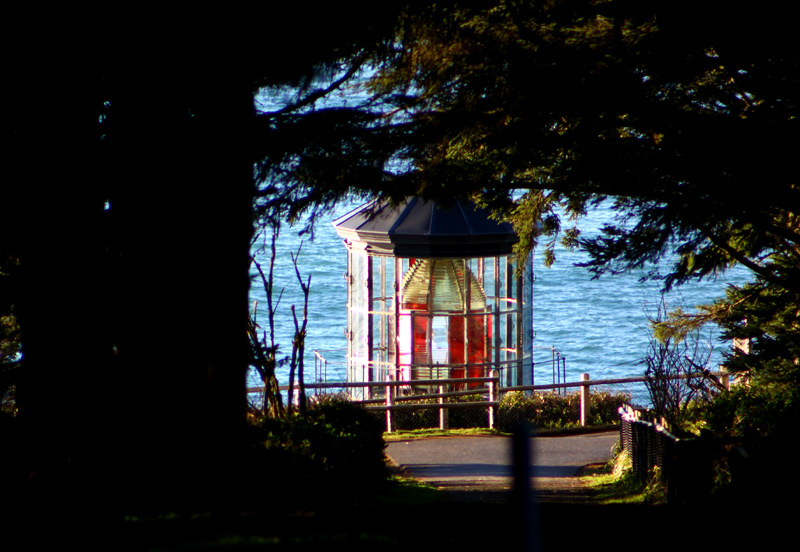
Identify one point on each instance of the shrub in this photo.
(605, 407)
(415, 419)
(463, 417)
(751, 412)
(469, 416)
(336, 448)
(554, 411)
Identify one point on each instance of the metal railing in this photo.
(440, 394)
(558, 363)
(326, 370)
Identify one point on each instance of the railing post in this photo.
(492, 395)
(389, 402)
(586, 401)
(444, 413)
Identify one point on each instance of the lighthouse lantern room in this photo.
(433, 293)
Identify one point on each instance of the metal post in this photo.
(389, 403)
(395, 344)
(467, 306)
(520, 329)
(497, 337)
(492, 396)
(370, 337)
(444, 414)
(586, 401)
(383, 347)
(510, 318)
(351, 368)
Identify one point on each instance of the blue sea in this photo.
(598, 326)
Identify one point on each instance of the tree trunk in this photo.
(184, 219)
(135, 259)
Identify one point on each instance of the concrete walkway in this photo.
(484, 463)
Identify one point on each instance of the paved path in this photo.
(484, 463)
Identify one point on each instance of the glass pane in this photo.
(359, 321)
(442, 285)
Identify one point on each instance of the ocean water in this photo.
(598, 326)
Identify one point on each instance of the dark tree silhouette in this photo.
(128, 199)
(133, 238)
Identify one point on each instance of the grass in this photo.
(407, 491)
(404, 435)
(614, 483)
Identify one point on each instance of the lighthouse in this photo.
(434, 292)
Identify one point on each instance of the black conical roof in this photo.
(419, 228)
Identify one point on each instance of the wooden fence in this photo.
(392, 402)
(682, 465)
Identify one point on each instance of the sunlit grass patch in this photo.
(424, 433)
(615, 483)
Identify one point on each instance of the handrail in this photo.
(539, 387)
(493, 389)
